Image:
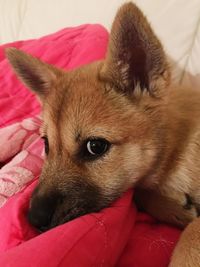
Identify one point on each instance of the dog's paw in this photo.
(190, 203)
(180, 211)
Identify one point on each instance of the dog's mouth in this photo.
(70, 214)
(44, 222)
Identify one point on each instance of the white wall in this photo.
(21, 19)
(177, 22)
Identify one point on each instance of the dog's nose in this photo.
(40, 218)
(41, 211)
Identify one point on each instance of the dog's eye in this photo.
(46, 144)
(96, 147)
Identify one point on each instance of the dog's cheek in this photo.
(138, 159)
(123, 167)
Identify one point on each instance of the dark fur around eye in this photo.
(93, 148)
(46, 144)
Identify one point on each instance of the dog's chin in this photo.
(69, 216)
(62, 216)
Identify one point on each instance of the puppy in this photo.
(114, 124)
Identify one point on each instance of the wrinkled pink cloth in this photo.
(21, 142)
(116, 236)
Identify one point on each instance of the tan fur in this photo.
(187, 251)
(128, 99)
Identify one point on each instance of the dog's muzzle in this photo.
(53, 208)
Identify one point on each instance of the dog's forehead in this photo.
(88, 106)
(81, 93)
(85, 106)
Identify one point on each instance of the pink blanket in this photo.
(116, 236)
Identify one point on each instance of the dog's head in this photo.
(101, 122)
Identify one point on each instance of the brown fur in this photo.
(128, 99)
(187, 251)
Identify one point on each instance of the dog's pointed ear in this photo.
(35, 74)
(135, 56)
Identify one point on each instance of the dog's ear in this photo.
(35, 74)
(135, 56)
